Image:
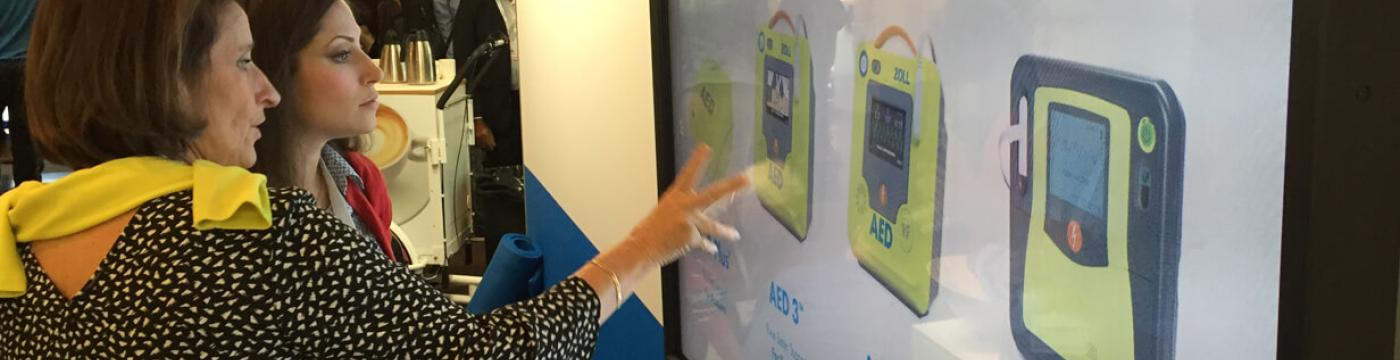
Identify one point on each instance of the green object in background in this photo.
(897, 165)
(1096, 216)
(783, 129)
(711, 112)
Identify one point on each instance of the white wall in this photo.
(586, 102)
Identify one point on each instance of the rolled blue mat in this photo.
(513, 275)
(537, 281)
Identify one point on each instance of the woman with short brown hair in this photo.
(162, 245)
(80, 117)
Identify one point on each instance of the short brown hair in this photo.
(113, 79)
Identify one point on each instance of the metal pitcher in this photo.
(391, 63)
(419, 60)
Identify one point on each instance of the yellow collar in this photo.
(224, 197)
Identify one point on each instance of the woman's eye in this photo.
(342, 57)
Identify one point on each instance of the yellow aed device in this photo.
(897, 163)
(784, 124)
(712, 116)
(1095, 211)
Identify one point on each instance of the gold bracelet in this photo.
(617, 285)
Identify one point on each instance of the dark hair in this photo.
(282, 28)
(99, 82)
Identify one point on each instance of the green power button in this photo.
(1147, 135)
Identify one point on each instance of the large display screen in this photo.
(1057, 180)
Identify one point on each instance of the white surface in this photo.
(588, 120)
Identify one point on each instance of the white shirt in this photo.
(338, 205)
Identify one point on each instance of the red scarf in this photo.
(371, 204)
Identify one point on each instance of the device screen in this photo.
(1078, 161)
(886, 138)
(779, 87)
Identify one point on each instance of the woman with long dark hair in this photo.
(310, 50)
(161, 244)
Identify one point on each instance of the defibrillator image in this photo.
(897, 163)
(1095, 210)
(785, 123)
(709, 107)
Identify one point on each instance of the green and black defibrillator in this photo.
(784, 126)
(897, 161)
(1095, 173)
(711, 119)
